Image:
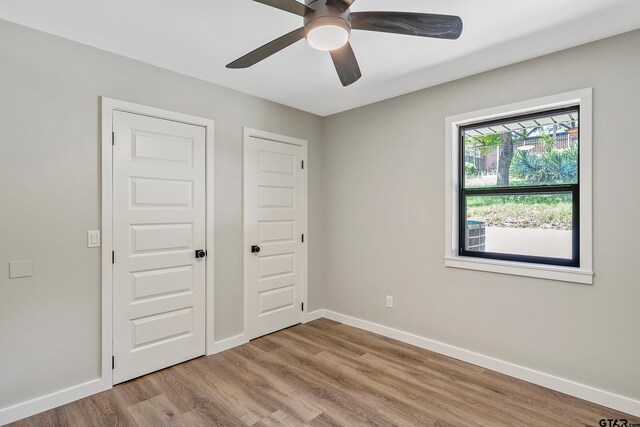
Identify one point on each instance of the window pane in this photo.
(533, 151)
(520, 224)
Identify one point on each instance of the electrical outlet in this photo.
(389, 301)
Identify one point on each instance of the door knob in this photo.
(201, 253)
(255, 249)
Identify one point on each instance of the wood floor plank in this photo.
(202, 395)
(483, 400)
(459, 372)
(326, 374)
(313, 385)
(155, 411)
(371, 394)
(409, 394)
(264, 344)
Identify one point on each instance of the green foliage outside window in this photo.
(550, 166)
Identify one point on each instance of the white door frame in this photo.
(255, 133)
(108, 107)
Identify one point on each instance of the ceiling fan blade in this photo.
(343, 5)
(268, 49)
(346, 64)
(291, 6)
(411, 24)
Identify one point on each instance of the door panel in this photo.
(276, 197)
(158, 148)
(276, 265)
(158, 223)
(161, 282)
(276, 231)
(276, 299)
(161, 192)
(161, 327)
(275, 219)
(146, 238)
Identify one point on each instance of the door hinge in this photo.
(302, 164)
(113, 138)
(302, 307)
(113, 257)
(303, 238)
(113, 362)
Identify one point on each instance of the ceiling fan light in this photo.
(328, 37)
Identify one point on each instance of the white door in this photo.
(275, 211)
(158, 224)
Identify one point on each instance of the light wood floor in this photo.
(320, 374)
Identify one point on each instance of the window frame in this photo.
(579, 269)
(550, 189)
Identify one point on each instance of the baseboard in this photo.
(227, 343)
(313, 315)
(592, 394)
(51, 400)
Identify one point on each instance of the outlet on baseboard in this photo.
(389, 301)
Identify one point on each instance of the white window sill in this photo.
(565, 274)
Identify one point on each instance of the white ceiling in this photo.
(199, 37)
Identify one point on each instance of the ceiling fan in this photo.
(328, 24)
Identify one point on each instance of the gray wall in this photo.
(50, 190)
(384, 209)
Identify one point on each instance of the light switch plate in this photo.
(19, 269)
(93, 238)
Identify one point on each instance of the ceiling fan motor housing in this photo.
(325, 15)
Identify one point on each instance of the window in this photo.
(519, 189)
